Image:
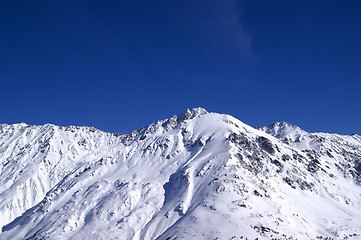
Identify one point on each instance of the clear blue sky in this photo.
(120, 65)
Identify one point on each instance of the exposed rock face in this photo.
(197, 175)
(266, 144)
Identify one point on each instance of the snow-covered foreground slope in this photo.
(195, 176)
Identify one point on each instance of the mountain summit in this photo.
(197, 175)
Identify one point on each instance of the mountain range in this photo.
(198, 175)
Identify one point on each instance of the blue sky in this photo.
(120, 65)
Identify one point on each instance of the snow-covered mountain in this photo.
(199, 175)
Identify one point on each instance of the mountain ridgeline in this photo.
(198, 175)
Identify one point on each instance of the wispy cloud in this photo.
(230, 16)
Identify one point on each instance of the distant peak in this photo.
(283, 125)
(282, 130)
(280, 125)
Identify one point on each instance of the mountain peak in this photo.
(282, 130)
(192, 113)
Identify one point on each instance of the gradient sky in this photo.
(121, 65)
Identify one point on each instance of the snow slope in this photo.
(198, 175)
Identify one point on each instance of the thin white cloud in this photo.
(234, 31)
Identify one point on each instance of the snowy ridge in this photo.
(198, 175)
